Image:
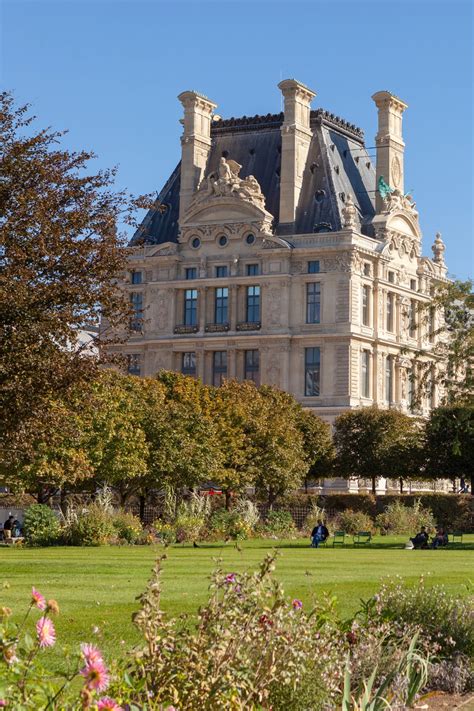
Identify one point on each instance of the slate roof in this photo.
(338, 165)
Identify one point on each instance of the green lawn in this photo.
(98, 586)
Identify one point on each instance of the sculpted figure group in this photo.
(227, 182)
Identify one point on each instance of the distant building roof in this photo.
(338, 165)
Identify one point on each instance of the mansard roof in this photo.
(338, 165)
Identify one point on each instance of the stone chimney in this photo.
(295, 141)
(389, 142)
(195, 144)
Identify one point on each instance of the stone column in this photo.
(231, 362)
(295, 141)
(389, 142)
(195, 144)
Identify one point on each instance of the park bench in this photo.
(362, 537)
(339, 538)
(455, 537)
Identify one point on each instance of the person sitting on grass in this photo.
(421, 539)
(319, 534)
(441, 538)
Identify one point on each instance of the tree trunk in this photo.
(472, 484)
(401, 485)
(228, 497)
(271, 498)
(374, 485)
(454, 484)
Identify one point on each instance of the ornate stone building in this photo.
(282, 254)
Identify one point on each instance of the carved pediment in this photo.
(399, 215)
(223, 196)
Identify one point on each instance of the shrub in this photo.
(239, 523)
(398, 518)
(352, 522)
(127, 526)
(448, 622)
(188, 527)
(315, 514)
(42, 527)
(279, 524)
(165, 532)
(90, 527)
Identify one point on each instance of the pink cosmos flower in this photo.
(108, 704)
(297, 604)
(46, 632)
(38, 599)
(96, 676)
(229, 579)
(91, 654)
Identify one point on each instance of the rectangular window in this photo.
(221, 272)
(313, 302)
(252, 366)
(413, 284)
(365, 373)
(136, 302)
(188, 364)
(412, 318)
(389, 379)
(390, 310)
(136, 277)
(410, 388)
(391, 277)
(134, 364)
(313, 267)
(190, 307)
(366, 269)
(191, 272)
(312, 371)
(221, 305)
(431, 324)
(219, 367)
(253, 304)
(366, 305)
(252, 269)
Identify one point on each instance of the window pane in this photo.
(365, 373)
(191, 273)
(388, 379)
(313, 303)
(365, 305)
(190, 307)
(134, 364)
(252, 366)
(136, 301)
(221, 305)
(253, 304)
(219, 367)
(221, 271)
(313, 267)
(252, 269)
(312, 372)
(188, 365)
(390, 312)
(136, 277)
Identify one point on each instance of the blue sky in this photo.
(110, 71)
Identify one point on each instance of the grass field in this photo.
(98, 586)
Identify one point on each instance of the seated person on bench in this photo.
(421, 539)
(319, 534)
(441, 538)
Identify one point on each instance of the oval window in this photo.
(222, 240)
(195, 242)
(250, 239)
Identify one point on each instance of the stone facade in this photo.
(275, 258)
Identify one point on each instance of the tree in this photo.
(404, 457)
(452, 350)
(318, 444)
(278, 444)
(363, 438)
(59, 256)
(234, 407)
(450, 442)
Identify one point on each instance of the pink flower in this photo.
(229, 579)
(297, 604)
(46, 632)
(96, 676)
(91, 654)
(3, 703)
(107, 703)
(38, 599)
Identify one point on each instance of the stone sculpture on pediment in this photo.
(396, 201)
(349, 214)
(228, 183)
